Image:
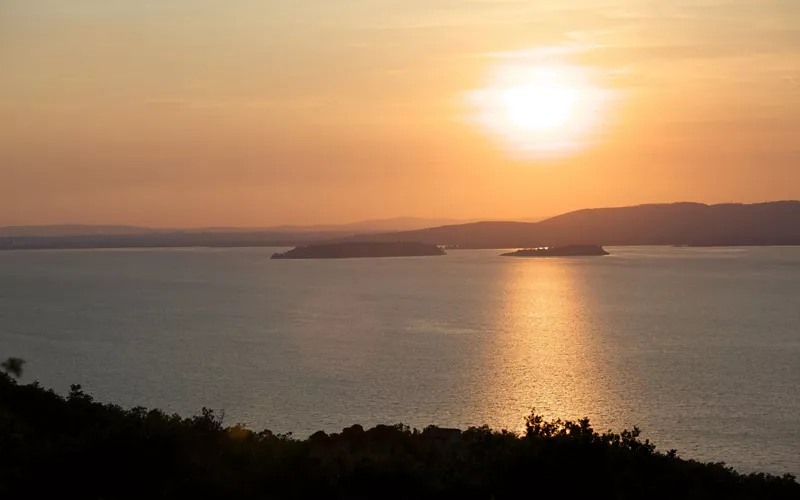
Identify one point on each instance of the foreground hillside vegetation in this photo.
(73, 447)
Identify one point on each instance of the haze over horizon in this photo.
(193, 113)
(399, 223)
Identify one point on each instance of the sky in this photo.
(258, 112)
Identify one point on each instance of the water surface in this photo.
(699, 347)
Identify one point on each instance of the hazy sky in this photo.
(256, 112)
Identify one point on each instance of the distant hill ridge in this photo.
(373, 225)
(695, 224)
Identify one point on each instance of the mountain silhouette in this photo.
(693, 224)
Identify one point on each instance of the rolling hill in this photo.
(80, 236)
(367, 226)
(695, 224)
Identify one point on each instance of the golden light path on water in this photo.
(540, 109)
(551, 360)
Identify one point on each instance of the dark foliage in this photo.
(74, 447)
(13, 366)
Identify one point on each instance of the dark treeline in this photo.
(74, 447)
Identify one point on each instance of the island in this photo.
(565, 251)
(349, 250)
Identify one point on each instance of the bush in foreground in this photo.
(74, 447)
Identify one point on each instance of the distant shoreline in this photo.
(691, 225)
(4, 248)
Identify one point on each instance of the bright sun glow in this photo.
(539, 106)
(534, 111)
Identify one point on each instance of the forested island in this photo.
(565, 251)
(349, 250)
(75, 447)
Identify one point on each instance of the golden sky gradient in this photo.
(259, 112)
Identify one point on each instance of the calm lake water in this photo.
(698, 347)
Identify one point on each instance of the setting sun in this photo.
(416, 247)
(540, 106)
(533, 110)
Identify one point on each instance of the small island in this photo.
(565, 251)
(350, 250)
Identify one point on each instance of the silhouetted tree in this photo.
(13, 366)
(75, 447)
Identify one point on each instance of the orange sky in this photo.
(259, 112)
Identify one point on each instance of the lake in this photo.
(698, 347)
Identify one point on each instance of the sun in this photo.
(539, 106)
(534, 111)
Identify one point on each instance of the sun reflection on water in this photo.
(550, 361)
